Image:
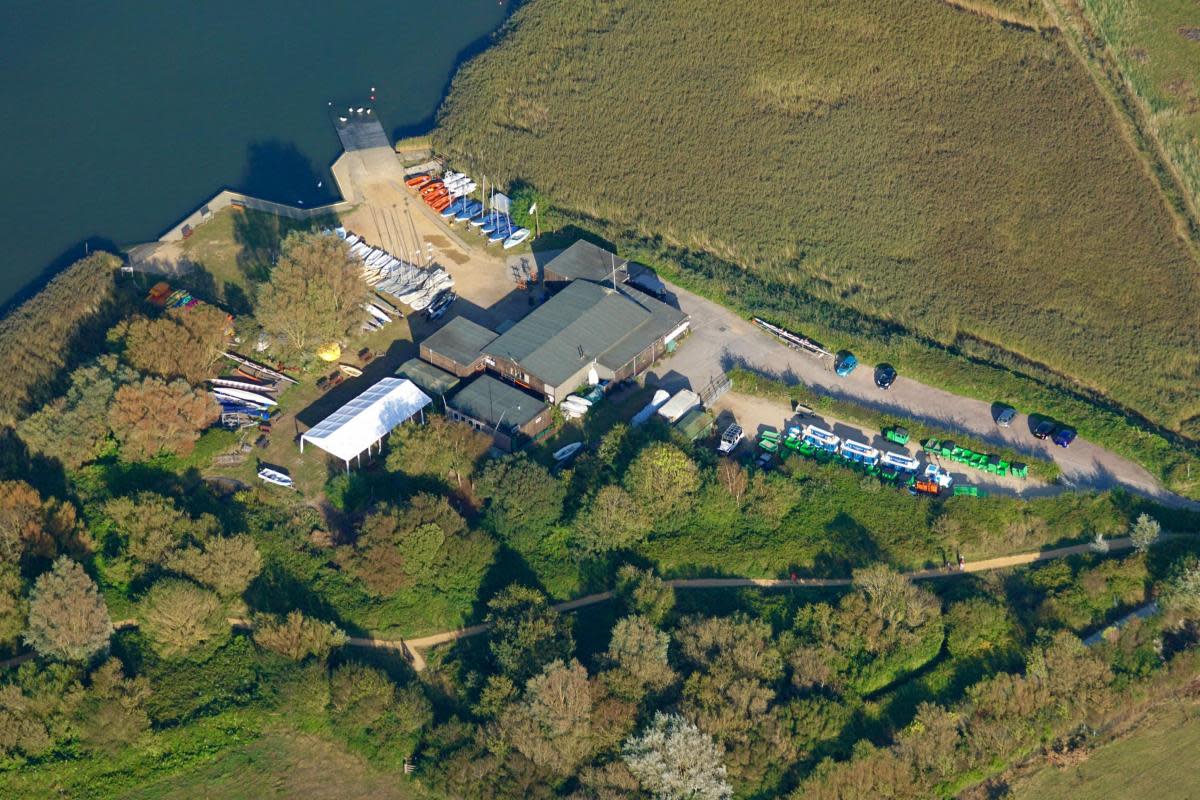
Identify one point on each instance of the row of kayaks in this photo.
(244, 394)
(450, 197)
(416, 287)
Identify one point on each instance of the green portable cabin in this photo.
(948, 448)
(696, 424)
(1019, 470)
(932, 446)
(896, 434)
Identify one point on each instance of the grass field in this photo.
(910, 160)
(282, 764)
(1155, 761)
(1156, 46)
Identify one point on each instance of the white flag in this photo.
(533, 209)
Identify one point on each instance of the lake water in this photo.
(118, 119)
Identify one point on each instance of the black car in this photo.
(440, 304)
(885, 376)
(1044, 429)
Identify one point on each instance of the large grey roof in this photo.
(585, 322)
(460, 340)
(587, 261)
(494, 401)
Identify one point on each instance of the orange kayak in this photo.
(436, 195)
(416, 181)
(431, 187)
(442, 203)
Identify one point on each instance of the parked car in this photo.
(844, 363)
(440, 304)
(765, 461)
(885, 376)
(1044, 428)
(1063, 435)
(1006, 416)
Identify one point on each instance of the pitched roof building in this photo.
(585, 261)
(499, 409)
(586, 332)
(458, 347)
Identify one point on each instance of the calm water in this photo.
(117, 119)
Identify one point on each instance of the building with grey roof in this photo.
(587, 331)
(458, 347)
(501, 410)
(430, 379)
(585, 261)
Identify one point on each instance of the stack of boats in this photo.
(243, 398)
(414, 286)
(450, 196)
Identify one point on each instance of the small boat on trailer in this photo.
(350, 370)
(275, 477)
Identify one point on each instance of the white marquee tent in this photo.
(365, 420)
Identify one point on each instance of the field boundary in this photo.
(1091, 51)
(996, 15)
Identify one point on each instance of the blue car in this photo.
(844, 364)
(1064, 435)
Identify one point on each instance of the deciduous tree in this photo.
(13, 606)
(398, 547)
(112, 713)
(179, 617)
(613, 521)
(526, 634)
(1145, 532)
(68, 619)
(225, 564)
(297, 636)
(183, 343)
(440, 448)
(662, 478)
(154, 527)
(644, 593)
(74, 428)
(315, 294)
(675, 760)
(637, 653)
(524, 499)
(552, 725)
(154, 416)
(31, 526)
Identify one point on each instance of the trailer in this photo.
(900, 462)
(859, 453)
(820, 439)
(792, 340)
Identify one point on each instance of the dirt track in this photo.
(415, 646)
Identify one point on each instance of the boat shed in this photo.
(585, 261)
(500, 410)
(363, 422)
(430, 379)
(586, 333)
(458, 347)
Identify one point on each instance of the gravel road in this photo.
(720, 339)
